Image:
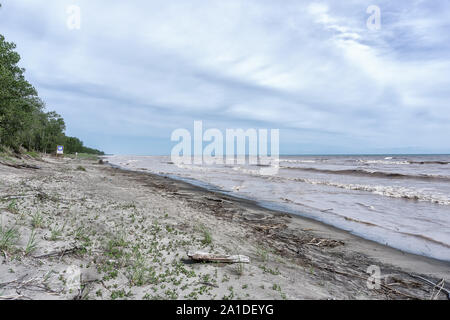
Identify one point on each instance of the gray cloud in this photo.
(136, 71)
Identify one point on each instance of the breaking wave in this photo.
(388, 191)
(383, 162)
(380, 174)
(391, 161)
(298, 161)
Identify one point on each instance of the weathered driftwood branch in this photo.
(365, 278)
(33, 284)
(20, 166)
(17, 297)
(435, 285)
(58, 253)
(18, 280)
(14, 197)
(210, 257)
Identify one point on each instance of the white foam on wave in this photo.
(298, 161)
(389, 191)
(383, 161)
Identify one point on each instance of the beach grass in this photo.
(82, 156)
(207, 237)
(31, 244)
(8, 237)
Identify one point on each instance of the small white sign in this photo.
(60, 150)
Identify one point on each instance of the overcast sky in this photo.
(137, 70)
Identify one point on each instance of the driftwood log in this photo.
(21, 166)
(435, 285)
(210, 257)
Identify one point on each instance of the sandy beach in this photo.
(79, 229)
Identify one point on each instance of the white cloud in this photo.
(312, 69)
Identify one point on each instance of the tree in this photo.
(18, 98)
(23, 120)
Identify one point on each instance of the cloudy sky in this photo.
(137, 70)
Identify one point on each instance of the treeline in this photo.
(24, 123)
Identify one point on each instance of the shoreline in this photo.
(275, 207)
(371, 246)
(135, 228)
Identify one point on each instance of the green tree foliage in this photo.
(23, 120)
